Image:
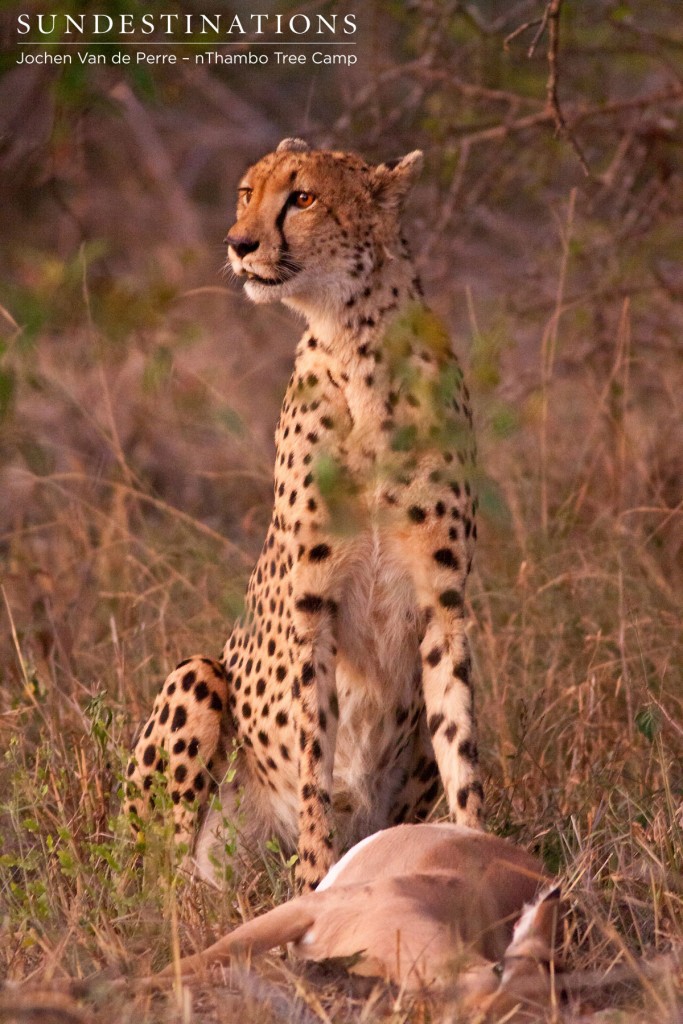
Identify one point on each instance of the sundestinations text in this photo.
(174, 25)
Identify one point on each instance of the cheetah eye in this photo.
(303, 200)
(244, 195)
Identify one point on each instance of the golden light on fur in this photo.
(346, 688)
(423, 906)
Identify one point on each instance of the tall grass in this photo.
(108, 581)
(138, 398)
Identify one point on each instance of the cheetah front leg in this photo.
(316, 714)
(446, 676)
(439, 555)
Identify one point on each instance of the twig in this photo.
(575, 116)
(520, 30)
(668, 718)
(623, 362)
(552, 16)
(418, 69)
(10, 319)
(548, 349)
(541, 29)
(550, 20)
(17, 648)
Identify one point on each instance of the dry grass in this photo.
(107, 584)
(138, 397)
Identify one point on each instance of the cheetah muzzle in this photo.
(343, 697)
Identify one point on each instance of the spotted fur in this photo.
(345, 689)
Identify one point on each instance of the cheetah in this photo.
(343, 697)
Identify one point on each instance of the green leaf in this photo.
(107, 854)
(648, 722)
(67, 863)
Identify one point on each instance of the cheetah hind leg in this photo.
(184, 740)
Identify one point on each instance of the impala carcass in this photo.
(423, 906)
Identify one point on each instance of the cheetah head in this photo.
(312, 224)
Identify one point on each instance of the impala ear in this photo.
(293, 146)
(392, 181)
(524, 983)
(535, 932)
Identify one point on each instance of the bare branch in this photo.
(575, 115)
(541, 29)
(552, 16)
(521, 29)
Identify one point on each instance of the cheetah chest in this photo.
(378, 666)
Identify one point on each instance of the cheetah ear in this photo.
(392, 181)
(293, 146)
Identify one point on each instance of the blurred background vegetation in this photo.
(139, 394)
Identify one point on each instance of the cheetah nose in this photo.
(241, 246)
